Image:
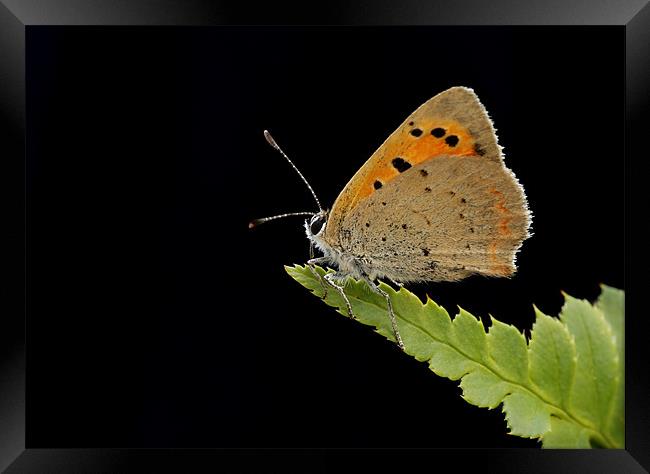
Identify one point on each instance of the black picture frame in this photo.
(17, 17)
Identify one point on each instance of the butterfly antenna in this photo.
(272, 142)
(257, 222)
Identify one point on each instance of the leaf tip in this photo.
(538, 312)
(293, 269)
(568, 299)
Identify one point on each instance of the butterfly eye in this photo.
(317, 223)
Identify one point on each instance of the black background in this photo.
(157, 319)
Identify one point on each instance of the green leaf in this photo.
(612, 304)
(598, 369)
(552, 359)
(507, 348)
(527, 414)
(563, 387)
(565, 435)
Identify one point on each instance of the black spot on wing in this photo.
(400, 164)
(451, 140)
(438, 132)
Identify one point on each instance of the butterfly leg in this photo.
(315, 261)
(329, 278)
(391, 313)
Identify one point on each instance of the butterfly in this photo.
(435, 202)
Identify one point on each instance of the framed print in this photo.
(148, 326)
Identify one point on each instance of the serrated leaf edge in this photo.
(553, 409)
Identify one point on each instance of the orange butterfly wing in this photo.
(452, 123)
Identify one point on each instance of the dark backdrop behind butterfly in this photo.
(156, 318)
